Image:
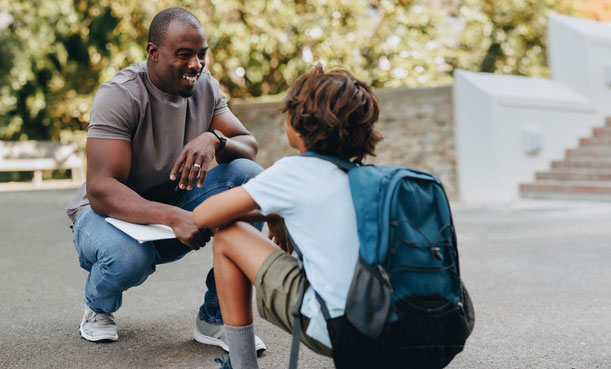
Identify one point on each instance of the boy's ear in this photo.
(153, 52)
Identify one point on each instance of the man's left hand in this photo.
(194, 161)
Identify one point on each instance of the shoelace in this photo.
(103, 319)
(225, 364)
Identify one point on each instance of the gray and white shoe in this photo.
(98, 326)
(212, 334)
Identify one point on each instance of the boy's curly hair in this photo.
(334, 112)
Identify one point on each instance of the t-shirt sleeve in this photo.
(113, 114)
(220, 101)
(274, 189)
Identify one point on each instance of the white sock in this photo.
(241, 341)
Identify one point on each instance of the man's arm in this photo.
(108, 167)
(241, 144)
(202, 150)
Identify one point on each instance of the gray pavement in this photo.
(538, 273)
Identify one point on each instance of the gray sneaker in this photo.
(98, 326)
(212, 334)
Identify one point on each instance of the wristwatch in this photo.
(222, 138)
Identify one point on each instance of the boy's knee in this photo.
(222, 238)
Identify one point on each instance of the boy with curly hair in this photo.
(331, 113)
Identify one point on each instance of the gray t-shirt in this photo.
(158, 125)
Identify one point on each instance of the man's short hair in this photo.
(159, 26)
(334, 112)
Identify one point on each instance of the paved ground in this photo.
(538, 273)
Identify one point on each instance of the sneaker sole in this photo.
(98, 338)
(207, 340)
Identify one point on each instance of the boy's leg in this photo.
(274, 272)
(239, 251)
(218, 179)
(115, 262)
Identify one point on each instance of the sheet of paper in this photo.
(143, 232)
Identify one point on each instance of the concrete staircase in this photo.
(584, 174)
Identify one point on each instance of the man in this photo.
(155, 128)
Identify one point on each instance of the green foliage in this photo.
(58, 53)
(55, 53)
(507, 36)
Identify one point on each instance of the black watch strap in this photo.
(222, 139)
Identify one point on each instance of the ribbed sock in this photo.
(241, 341)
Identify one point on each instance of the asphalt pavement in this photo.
(537, 271)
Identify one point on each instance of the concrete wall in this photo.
(509, 127)
(498, 116)
(417, 124)
(579, 55)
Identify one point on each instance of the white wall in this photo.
(494, 113)
(579, 54)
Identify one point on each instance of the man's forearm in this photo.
(242, 146)
(113, 198)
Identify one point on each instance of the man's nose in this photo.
(195, 63)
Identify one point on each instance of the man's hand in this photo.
(187, 232)
(278, 233)
(194, 161)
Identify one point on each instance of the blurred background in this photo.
(55, 53)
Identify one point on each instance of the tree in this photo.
(506, 37)
(55, 53)
(58, 52)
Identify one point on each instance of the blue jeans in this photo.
(116, 262)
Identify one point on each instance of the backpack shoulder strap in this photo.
(294, 358)
(296, 312)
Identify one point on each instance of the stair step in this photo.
(588, 157)
(595, 141)
(572, 174)
(602, 164)
(597, 151)
(585, 174)
(604, 131)
(570, 190)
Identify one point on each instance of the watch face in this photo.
(219, 134)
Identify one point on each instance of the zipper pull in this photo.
(436, 251)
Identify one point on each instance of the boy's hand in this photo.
(187, 232)
(278, 233)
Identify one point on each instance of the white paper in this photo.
(143, 232)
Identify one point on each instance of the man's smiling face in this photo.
(178, 62)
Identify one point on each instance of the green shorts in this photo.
(277, 284)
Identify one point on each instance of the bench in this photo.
(38, 156)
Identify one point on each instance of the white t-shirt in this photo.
(313, 196)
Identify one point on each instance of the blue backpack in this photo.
(407, 306)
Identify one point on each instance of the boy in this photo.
(331, 113)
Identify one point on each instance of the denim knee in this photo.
(243, 169)
(129, 267)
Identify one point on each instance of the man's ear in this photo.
(153, 52)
